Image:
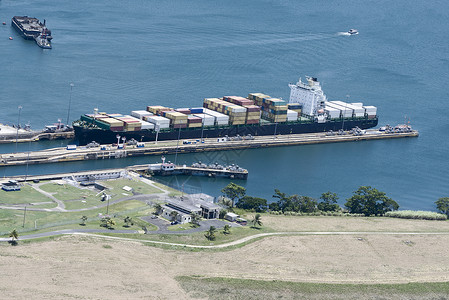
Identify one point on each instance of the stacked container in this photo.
(159, 121)
(91, 117)
(252, 114)
(257, 98)
(274, 109)
(333, 113)
(346, 112)
(193, 121)
(206, 120)
(219, 118)
(292, 115)
(131, 123)
(358, 111)
(157, 109)
(238, 100)
(196, 110)
(295, 107)
(110, 124)
(236, 113)
(371, 111)
(177, 119)
(140, 114)
(185, 111)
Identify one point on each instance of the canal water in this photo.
(123, 56)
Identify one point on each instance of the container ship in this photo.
(307, 111)
(33, 29)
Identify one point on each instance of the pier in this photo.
(56, 155)
(89, 176)
(9, 134)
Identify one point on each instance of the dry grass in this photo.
(81, 267)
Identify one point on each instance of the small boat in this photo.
(4, 23)
(353, 31)
(10, 37)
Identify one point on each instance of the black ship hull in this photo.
(86, 135)
(22, 32)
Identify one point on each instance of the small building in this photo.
(184, 211)
(11, 185)
(209, 210)
(242, 221)
(232, 217)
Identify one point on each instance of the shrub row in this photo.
(416, 214)
(317, 213)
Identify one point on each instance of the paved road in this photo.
(204, 225)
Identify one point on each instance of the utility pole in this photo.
(18, 125)
(70, 103)
(24, 216)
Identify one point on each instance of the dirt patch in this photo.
(82, 267)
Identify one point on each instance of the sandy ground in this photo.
(82, 268)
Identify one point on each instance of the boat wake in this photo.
(343, 33)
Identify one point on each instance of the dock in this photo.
(9, 134)
(90, 176)
(56, 155)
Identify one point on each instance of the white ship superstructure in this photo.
(309, 95)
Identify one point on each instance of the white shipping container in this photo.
(357, 104)
(207, 119)
(159, 121)
(140, 113)
(370, 110)
(147, 125)
(356, 110)
(345, 111)
(292, 114)
(333, 113)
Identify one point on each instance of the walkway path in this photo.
(162, 226)
(88, 232)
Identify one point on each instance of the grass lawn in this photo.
(117, 191)
(234, 288)
(66, 192)
(198, 238)
(26, 195)
(10, 219)
(172, 191)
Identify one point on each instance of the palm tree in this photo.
(128, 221)
(195, 219)
(14, 235)
(157, 208)
(173, 215)
(257, 221)
(210, 234)
(83, 220)
(110, 222)
(227, 229)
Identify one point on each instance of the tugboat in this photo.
(353, 31)
(42, 40)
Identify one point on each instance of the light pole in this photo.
(118, 139)
(70, 103)
(177, 145)
(24, 216)
(18, 125)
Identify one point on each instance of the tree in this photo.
(195, 219)
(128, 221)
(173, 215)
(210, 234)
(329, 202)
(233, 192)
(227, 229)
(252, 203)
(257, 221)
(294, 203)
(107, 222)
(222, 213)
(370, 201)
(83, 220)
(14, 235)
(443, 205)
(157, 208)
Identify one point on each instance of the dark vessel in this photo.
(33, 29)
(257, 115)
(85, 134)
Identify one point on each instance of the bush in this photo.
(416, 214)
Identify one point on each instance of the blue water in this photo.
(123, 56)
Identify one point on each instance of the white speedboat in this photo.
(353, 31)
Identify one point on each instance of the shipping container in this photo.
(140, 113)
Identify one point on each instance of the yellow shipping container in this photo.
(191, 125)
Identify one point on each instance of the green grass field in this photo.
(117, 191)
(26, 195)
(10, 219)
(234, 288)
(67, 192)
